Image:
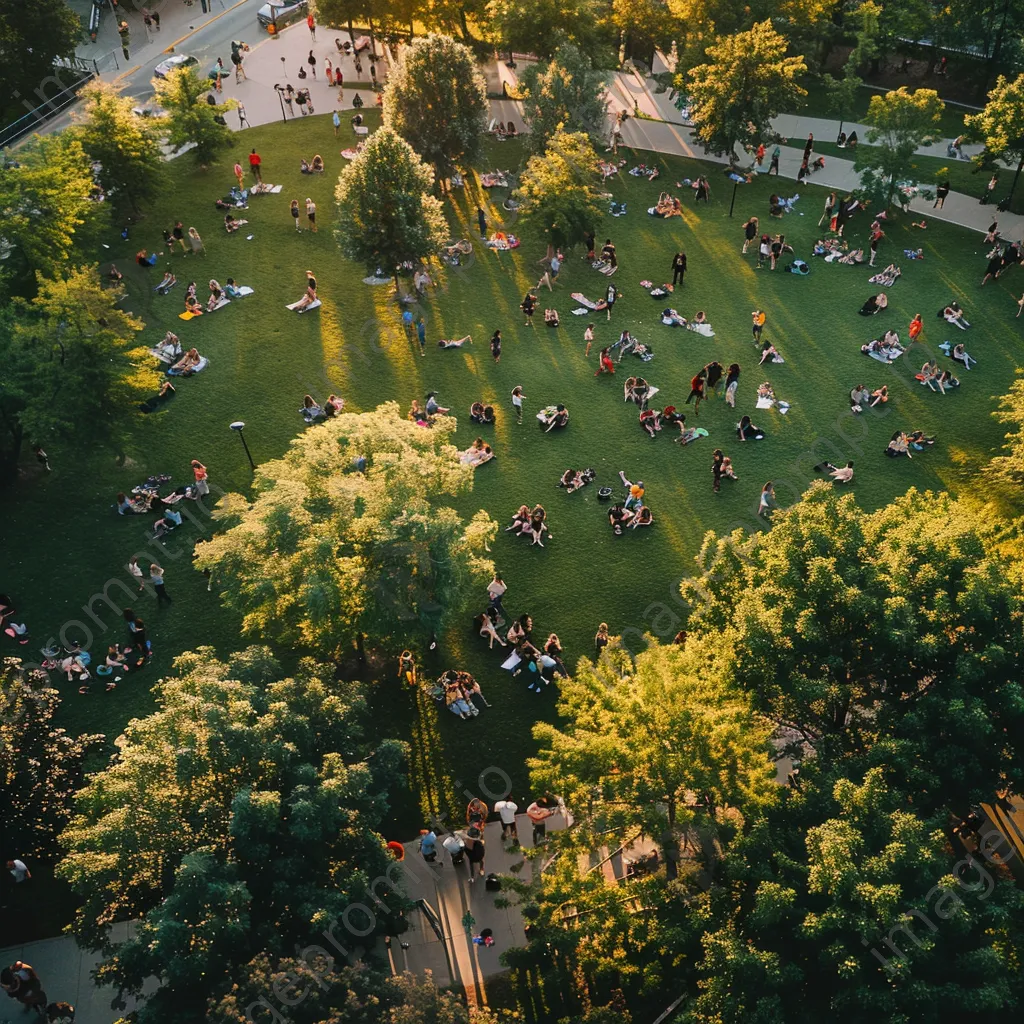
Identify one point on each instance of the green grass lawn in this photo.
(63, 542)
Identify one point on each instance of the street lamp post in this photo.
(239, 427)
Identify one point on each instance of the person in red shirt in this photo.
(255, 163)
(311, 24)
(915, 327)
(697, 391)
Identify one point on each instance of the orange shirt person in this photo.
(915, 327)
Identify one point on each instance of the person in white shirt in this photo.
(843, 475)
(20, 872)
(506, 810)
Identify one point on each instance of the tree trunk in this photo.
(464, 24)
(352, 35)
(360, 639)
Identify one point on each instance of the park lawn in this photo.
(64, 543)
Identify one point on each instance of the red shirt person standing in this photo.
(255, 164)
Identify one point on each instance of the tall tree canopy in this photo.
(126, 148)
(71, 364)
(746, 80)
(191, 122)
(565, 94)
(901, 624)
(326, 553)
(899, 122)
(540, 27)
(557, 191)
(387, 213)
(436, 99)
(31, 37)
(1000, 126)
(1010, 465)
(47, 200)
(239, 818)
(41, 765)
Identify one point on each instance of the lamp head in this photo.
(238, 425)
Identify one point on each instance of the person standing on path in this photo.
(421, 335)
(476, 850)
(243, 121)
(428, 838)
(538, 812)
(506, 810)
(759, 157)
(774, 165)
(481, 220)
(311, 61)
(678, 268)
(256, 166)
(808, 148)
(311, 25)
(125, 33)
(517, 402)
(156, 578)
(199, 472)
(496, 346)
(940, 195)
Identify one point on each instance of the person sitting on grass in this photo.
(746, 431)
(311, 411)
(880, 395)
(954, 315)
(554, 416)
(144, 259)
(860, 396)
(537, 526)
(841, 475)
(650, 420)
(519, 520)
(768, 351)
(476, 454)
(874, 304)
(571, 480)
(187, 363)
(168, 282)
(114, 274)
(487, 629)
(643, 517)
(231, 225)
(619, 517)
(170, 520)
(961, 355)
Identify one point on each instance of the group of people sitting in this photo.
(424, 416)
(862, 398)
(903, 441)
(553, 416)
(476, 454)
(636, 389)
(480, 413)
(191, 362)
(935, 379)
(574, 479)
(531, 523)
(313, 412)
(461, 691)
(314, 167)
(666, 206)
(621, 518)
(504, 131)
(885, 349)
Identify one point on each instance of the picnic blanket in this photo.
(493, 180)
(604, 268)
(373, 279)
(242, 291)
(198, 368)
(588, 303)
(263, 188)
(187, 315)
(704, 329)
(764, 402)
(163, 356)
(295, 306)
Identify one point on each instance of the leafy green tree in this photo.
(191, 122)
(846, 904)
(557, 192)
(645, 735)
(643, 26)
(338, 13)
(896, 625)
(566, 94)
(126, 147)
(899, 122)
(842, 92)
(325, 553)
(241, 817)
(41, 766)
(71, 366)
(436, 100)
(1010, 466)
(48, 203)
(746, 81)
(387, 214)
(541, 27)
(31, 37)
(1000, 126)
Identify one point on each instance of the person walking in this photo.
(717, 458)
(336, 121)
(125, 33)
(678, 268)
(42, 458)
(517, 402)
(195, 240)
(421, 335)
(764, 250)
(610, 296)
(294, 209)
(311, 25)
(496, 591)
(428, 838)
(179, 236)
(916, 325)
(757, 321)
(311, 214)
(989, 189)
(136, 571)
(940, 195)
(774, 165)
(201, 483)
(876, 237)
(311, 61)
(156, 578)
(496, 346)
(749, 232)
(239, 174)
(256, 166)
(236, 59)
(808, 147)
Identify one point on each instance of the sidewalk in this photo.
(66, 973)
(676, 139)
